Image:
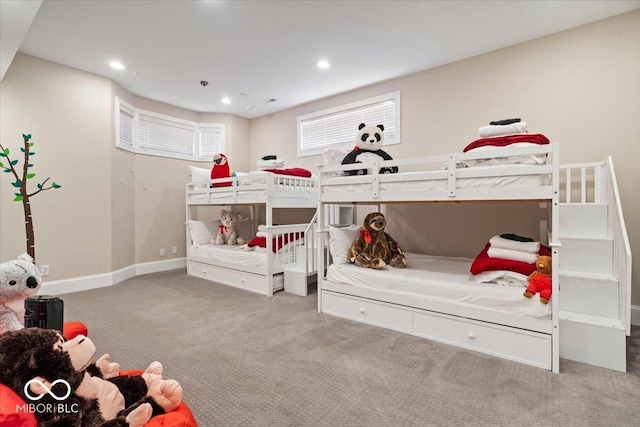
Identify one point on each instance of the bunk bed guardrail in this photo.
(266, 183)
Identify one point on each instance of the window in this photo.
(156, 134)
(125, 114)
(337, 127)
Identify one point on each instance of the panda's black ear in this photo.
(361, 126)
(381, 127)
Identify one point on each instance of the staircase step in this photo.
(587, 319)
(583, 220)
(595, 340)
(589, 294)
(587, 255)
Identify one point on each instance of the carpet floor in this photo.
(247, 360)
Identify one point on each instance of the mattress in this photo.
(234, 255)
(441, 278)
(439, 184)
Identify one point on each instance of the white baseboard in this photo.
(76, 284)
(635, 315)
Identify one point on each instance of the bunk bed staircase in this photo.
(595, 267)
(301, 277)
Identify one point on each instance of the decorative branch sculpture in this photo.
(21, 183)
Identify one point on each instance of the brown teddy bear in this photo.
(374, 248)
(540, 280)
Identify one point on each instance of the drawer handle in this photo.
(242, 280)
(472, 335)
(204, 271)
(362, 310)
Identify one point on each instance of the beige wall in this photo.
(68, 113)
(115, 209)
(580, 88)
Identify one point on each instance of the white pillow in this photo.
(333, 157)
(202, 231)
(200, 174)
(340, 240)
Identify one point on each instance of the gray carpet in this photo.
(248, 360)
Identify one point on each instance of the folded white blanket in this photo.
(270, 164)
(262, 227)
(514, 245)
(512, 255)
(502, 130)
(262, 234)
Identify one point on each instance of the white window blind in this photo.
(211, 140)
(125, 116)
(157, 134)
(338, 127)
(165, 137)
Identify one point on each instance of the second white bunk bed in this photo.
(420, 301)
(288, 247)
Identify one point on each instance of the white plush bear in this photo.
(227, 232)
(18, 279)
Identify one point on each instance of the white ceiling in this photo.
(252, 51)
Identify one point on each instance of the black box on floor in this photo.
(44, 311)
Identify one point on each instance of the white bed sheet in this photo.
(441, 184)
(441, 278)
(230, 254)
(233, 254)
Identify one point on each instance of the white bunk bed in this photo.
(472, 322)
(259, 270)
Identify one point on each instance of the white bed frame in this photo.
(523, 339)
(262, 189)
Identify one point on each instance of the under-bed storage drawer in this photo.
(239, 279)
(367, 311)
(520, 345)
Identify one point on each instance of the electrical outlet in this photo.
(174, 250)
(162, 252)
(44, 270)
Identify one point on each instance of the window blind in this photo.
(165, 137)
(211, 138)
(339, 126)
(125, 128)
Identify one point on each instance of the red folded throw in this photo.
(291, 171)
(277, 243)
(502, 141)
(484, 262)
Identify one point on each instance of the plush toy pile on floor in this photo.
(18, 279)
(39, 366)
(368, 149)
(374, 248)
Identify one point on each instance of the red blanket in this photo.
(291, 171)
(502, 141)
(484, 262)
(277, 243)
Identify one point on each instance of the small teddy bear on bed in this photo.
(374, 248)
(227, 233)
(368, 149)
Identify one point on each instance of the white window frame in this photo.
(195, 128)
(348, 144)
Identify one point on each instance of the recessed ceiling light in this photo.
(225, 100)
(323, 64)
(116, 65)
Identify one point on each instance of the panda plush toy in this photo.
(368, 149)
